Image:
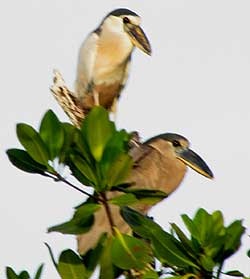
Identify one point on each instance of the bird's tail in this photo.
(89, 240)
(67, 100)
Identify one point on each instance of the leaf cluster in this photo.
(11, 274)
(98, 156)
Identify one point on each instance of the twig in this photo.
(108, 211)
(58, 177)
(219, 271)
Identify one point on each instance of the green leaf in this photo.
(125, 199)
(70, 266)
(84, 169)
(207, 263)
(39, 272)
(248, 253)
(128, 252)
(119, 170)
(204, 224)
(24, 275)
(10, 273)
(190, 226)
(74, 227)
(136, 221)
(145, 195)
(70, 132)
(52, 133)
(235, 273)
(116, 146)
(106, 266)
(78, 174)
(82, 147)
(97, 129)
(187, 243)
(92, 257)
(86, 209)
(151, 274)
(22, 160)
(167, 249)
(33, 143)
(81, 222)
(233, 239)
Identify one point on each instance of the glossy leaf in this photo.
(207, 263)
(116, 146)
(10, 273)
(125, 199)
(234, 273)
(128, 252)
(203, 222)
(52, 133)
(187, 243)
(73, 226)
(69, 135)
(151, 274)
(166, 247)
(168, 251)
(70, 266)
(39, 272)
(22, 160)
(78, 174)
(190, 226)
(97, 129)
(233, 240)
(24, 275)
(33, 143)
(81, 145)
(92, 257)
(119, 171)
(248, 253)
(80, 223)
(84, 168)
(106, 266)
(145, 195)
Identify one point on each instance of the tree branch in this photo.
(108, 211)
(58, 177)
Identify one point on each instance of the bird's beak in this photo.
(194, 161)
(138, 38)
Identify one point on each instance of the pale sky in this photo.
(196, 83)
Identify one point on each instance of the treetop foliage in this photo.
(97, 156)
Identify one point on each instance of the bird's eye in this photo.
(176, 143)
(126, 20)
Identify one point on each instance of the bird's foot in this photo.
(96, 98)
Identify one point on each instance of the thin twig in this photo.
(58, 177)
(108, 211)
(219, 271)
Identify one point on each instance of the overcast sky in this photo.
(196, 83)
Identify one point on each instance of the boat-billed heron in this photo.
(160, 163)
(104, 59)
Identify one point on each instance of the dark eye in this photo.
(126, 20)
(176, 143)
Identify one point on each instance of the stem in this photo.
(58, 177)
(219, 271)
(108, 211)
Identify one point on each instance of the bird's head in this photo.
(178, 146)
(127, 22)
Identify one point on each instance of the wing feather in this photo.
(86, 63)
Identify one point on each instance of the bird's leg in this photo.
(96, 98)
(114, 108)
